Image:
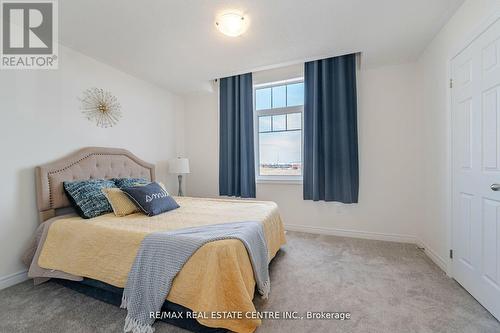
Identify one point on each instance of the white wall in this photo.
(390, 154)
(433, 83)
(404, 155)
(40, 121)
(402, 132)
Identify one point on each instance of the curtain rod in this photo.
(291, 63)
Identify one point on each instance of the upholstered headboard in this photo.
(86, 163)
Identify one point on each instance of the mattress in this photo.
(218, 277)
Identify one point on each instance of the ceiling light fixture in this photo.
(231, 24)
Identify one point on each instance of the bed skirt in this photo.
(113, 295)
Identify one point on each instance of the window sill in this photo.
(281, 181)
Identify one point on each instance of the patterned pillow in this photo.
(87, 198)
(130, 182)
(120, 202)
(152, 199)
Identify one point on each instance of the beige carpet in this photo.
(387, 287)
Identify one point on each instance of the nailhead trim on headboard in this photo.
(51, 203)
(45, 173)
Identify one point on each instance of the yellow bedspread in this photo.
(218, 277)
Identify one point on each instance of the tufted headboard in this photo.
(86, 163)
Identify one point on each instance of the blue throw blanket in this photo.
(163, 254)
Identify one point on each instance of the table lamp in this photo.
(179, 166)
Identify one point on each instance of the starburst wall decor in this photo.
(101, 107)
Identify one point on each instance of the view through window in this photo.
(278, 111)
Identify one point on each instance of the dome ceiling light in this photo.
(231, 24)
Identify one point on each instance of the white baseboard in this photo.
(353, 233)
(15, 278)
(437, 259)
(12, 279)
(432, 254)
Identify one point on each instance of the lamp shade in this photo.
(179, 165)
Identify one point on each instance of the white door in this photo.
(476, 168)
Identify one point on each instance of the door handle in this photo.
(495, 187)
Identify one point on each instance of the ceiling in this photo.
(174, 43)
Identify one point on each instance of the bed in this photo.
(218, 277)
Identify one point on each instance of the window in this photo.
(278, 125)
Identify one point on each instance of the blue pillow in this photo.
(152, 199)
(87, 197)
(129, 182)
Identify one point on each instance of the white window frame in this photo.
(273, 112)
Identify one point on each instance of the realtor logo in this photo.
(29, 35)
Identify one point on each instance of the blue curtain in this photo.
(236, 145)
(330, 130)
